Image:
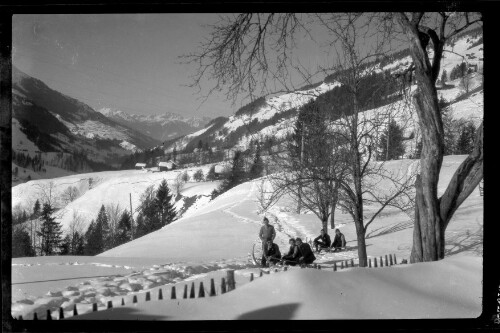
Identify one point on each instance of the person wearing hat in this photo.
(272, 254)
(266, 233)
(305, 254)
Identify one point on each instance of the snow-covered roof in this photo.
(166, 164)
(140, 164)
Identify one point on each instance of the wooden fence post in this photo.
(334, 266)
(212, 287)
(75, 311)
(390, 260)
(251, 277)
(173, 294)
(201, 292)
(352, 262)
(260, 275)
(123, 301)
(134, 300)
(61, 313)
(94, 306)
(35, 316)
(223, 286)
(148, 296)
(395, 261)
(375, 262)
(231, 284)
(191, 295)
(386, 261)
(49, 316)
(185, 291)
(160, 295)
(341, 265)
(369, 263)
(110, 304)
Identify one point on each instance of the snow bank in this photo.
(450, 288)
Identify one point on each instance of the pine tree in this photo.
(391, 142)
(185, 177)
(78, 246)
(149, 218)
(102, 230)
(465, 142)
(50, 231)
(124, 234)
(211, 174)
(21, 243)
(91, 247)
(66, 245)
(444, 77)
(258, 165)
(235, 176)
(140, 229)
(164, 205)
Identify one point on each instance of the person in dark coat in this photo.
(338, 241)
(323, 241)
(292, 256)
(266, 233)
(271, 255)
(305, 254)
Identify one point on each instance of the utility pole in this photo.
(299, 201)
(131, 217)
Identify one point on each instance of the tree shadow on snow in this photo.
(119, 313)
(387, 230)
(278, 312)
(465, 241)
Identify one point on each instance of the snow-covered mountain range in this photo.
(160, 127)
(272, 117)
(45, 120)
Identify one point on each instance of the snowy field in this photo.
(218, 235)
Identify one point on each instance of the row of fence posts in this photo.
(389, 261)
(227, 284)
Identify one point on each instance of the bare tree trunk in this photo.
(360, 233)
(432, 214)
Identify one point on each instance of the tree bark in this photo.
(360, 233)
(431, 213)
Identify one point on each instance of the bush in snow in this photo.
(211, 174)
(198, 175)
(185, 177)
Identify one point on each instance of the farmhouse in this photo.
(165, 166)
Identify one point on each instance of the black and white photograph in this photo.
(247, 166)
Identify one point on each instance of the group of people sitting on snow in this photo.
(299, 252)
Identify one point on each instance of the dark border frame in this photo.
(491, 282)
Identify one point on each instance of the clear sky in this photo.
(126, 62)
(131, 62)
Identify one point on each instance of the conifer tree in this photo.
(90, 241)
(50, 232)
(465, 142)
(164, 204)
(36, 209)
(211, 174)
(391, 142)
(102, 230)
(21, 243)
(124, 234)
(258, 165)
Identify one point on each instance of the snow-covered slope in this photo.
(272, 117)
(218, 235)
(160, 127)
(421, 291)
(109, 187)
